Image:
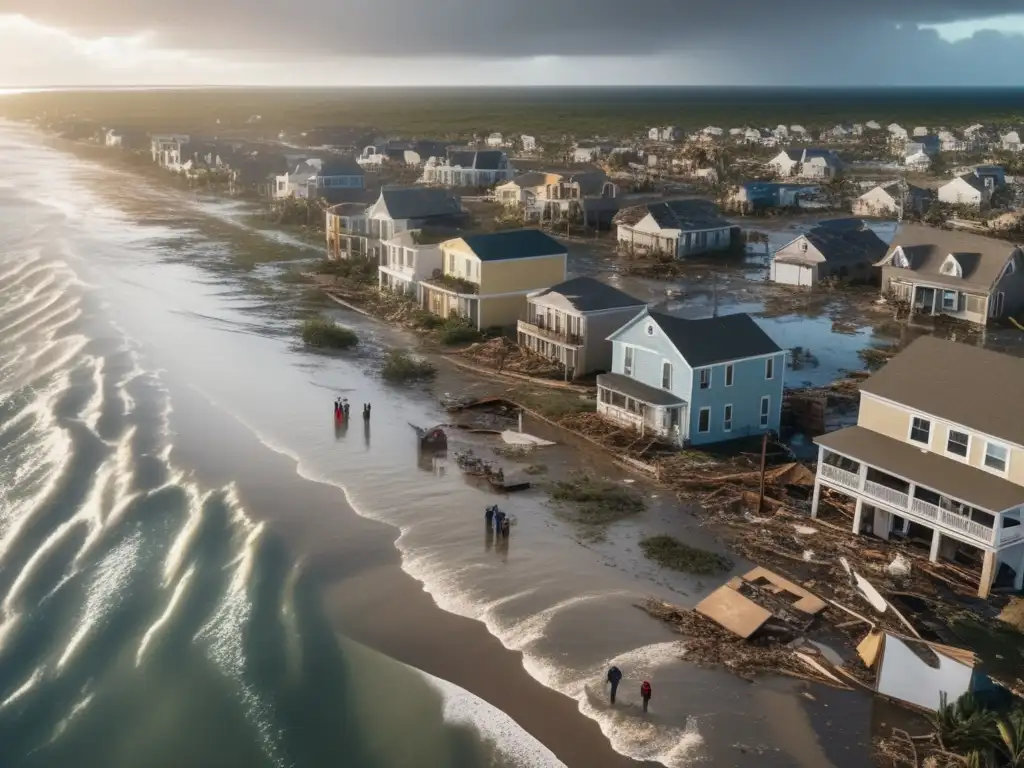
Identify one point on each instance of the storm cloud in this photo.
(811, 42)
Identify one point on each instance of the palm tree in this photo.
(1011, 739)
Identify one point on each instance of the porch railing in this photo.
(924, 509)
(887, 494)
(565, 337)
(841, 476)
(966, 525)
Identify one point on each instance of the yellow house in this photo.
(486, 278)
(937, 456)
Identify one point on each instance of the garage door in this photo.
(792, 274)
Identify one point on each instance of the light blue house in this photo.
(693, 382)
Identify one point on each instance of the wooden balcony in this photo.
(562, 337)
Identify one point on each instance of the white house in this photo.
(921, 130)
(665, 133)
(586, 152)
(166, 149)
(969, 189)
(917, 160)
(409, 257)
(798, 131)
(495, 140)
(883, 201)
(1010, 141)
(678, 227)
(712, 130)
(113, 138)
(844, 249)
(693, 382)
(897, 131)
(529, 143)
(872, 125)
(807, 163)
(295, 182)
(468, 168)
(372, 157)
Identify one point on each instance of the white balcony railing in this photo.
(924, 509)
(841, 476)
(966, 525)
(887, 494)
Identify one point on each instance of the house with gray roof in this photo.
(937, 457)
(678, 227)
(360, 229)
(570, 322)
(965, 276)
(807, 163)
(971, 189)
(693, 382)
(843, 249)
(548, 195)
(468, 168)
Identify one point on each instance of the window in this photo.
(766, 407)
(996, 456)
(921, 430)
(727, 419)
(950, 301)
(704, 420)
(728, 375)
(1011, 267)
(627, 363)
(666, 375)
(769, 368)
(705, 378)
(958, 443)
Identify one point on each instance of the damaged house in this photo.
(677, 227)
(844, 249)
(548, 195)
(963, 275)
(937, 455)
(693, 382)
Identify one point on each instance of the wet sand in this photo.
(369, 597)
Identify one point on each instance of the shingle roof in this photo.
(933, 470)
(982, 259)
(530, 179)
(340, 166)
(965, 384)
(483, 160)
(974, 180)
(716, 339)
(685, 215)
(630, 387)
(589, 295)
(847, 241)
(513, 244)
(419, 202)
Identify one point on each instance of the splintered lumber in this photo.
(738, 614)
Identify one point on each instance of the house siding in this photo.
(502, 311)
(749, 386)
(891, 276)
(597, 327)
(521, 274)
(894, 421)
(1013, 287)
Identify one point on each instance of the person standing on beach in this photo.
(345, 407)
(489, 516)
(614, 678)
(645, 693)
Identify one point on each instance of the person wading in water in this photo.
(614, 678)
(645, 693)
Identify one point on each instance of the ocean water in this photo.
(197, 568)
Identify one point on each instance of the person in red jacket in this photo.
(645, 693)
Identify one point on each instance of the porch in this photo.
(445, 303)
(565, 348)
(400, 280)
(657, 412)
(924, 489)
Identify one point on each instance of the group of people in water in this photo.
(498, 520)
(615, 677)
(341, 409)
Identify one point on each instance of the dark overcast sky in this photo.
(812, 42)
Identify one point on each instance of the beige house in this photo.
(937, 456)
(571, 322)
(893, 199)
(552, 195)
(486, 278)
(965, 276)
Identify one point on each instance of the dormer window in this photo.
(951, 267)
(1011, 266)
(899, 259)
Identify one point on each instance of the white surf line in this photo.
(183, 541)
(24, 688)
(172, 604)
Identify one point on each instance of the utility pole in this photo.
(764, 458)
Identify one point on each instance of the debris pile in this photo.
(816, 410)
(502, 354)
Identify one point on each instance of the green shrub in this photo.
(326, 334)
(421, 318)
(400, 366)
(671, 553)
(457, 330)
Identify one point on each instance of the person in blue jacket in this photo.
(614, 678)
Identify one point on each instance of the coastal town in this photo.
(882, 499)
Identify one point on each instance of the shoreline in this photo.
(360, 572)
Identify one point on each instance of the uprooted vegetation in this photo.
(670, 552)
(591, 500)
(502, 354)
(400, 367)
(326, 334)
